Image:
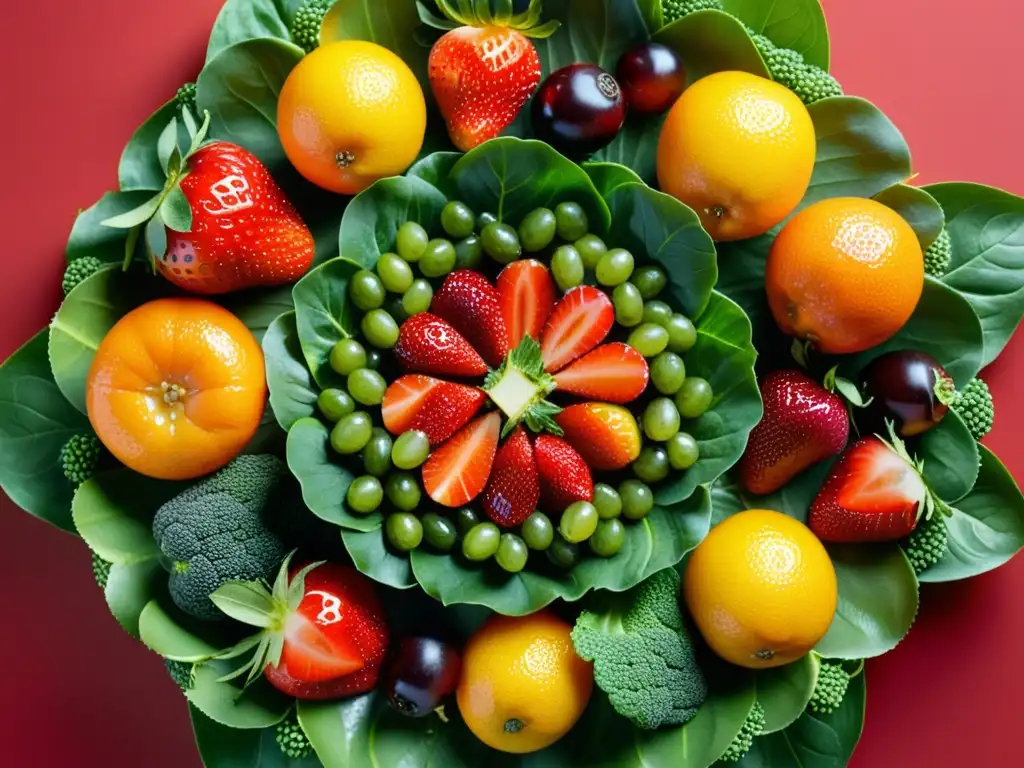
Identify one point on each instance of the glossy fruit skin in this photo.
(564, 476)
(614, 372)
(513, 489)
(579, 322)
(526, 294)
(422, 671)
(438, 408)
(652, 77)
(844, 273)
(216, 393)
(606, 436)
(245, 232)
(457, 471)
(761, 588)
(578, 110)
(428, 344)
(470, 303)
(901, 385)
(521, 706)
(739, 149)
(349, 113)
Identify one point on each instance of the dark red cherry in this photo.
(907, 388)
(421, 673)
(652, 77)
(578, 110)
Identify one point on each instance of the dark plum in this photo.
(907, 388)
(651, 77)
(420, 674)
(579, 109)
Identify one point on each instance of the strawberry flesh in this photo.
(606, 436)
(513, 490)
(457, 472)
(614, 372)
(564, 475)
(428, 344)
(578, 323)
(437, 408)
(470, 303)
(526, 293)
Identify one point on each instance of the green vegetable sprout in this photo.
(674, 10)
(183, 673)
(808, 82)
(926, 545)
(753, 727)
(305, 28)
(974, 405)
(831, 687)
(79, 457)
(77, 271)
(100, 570)
(185, 98)
(938, 255)
(292, 739)
(643, 657)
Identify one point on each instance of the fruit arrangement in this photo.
(486, 376)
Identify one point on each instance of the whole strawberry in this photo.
(803, 424)
(485, 68)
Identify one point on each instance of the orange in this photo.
(351, 113)
(523, 686)
(761, 589)
(739, 150)
(177, 388)
(845, 274)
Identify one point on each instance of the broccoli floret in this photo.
(183, 673)
(830, 689)
(214, 532)
(643, 657)
(938, 255)
(673, 10)
(974, 405)
(306, 26)
(100, 570)
(292, 739)
(808, 82)
(926, 545)
(77, 271)
(753, 727)
(185, 98)
(79, 457)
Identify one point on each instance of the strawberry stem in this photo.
(478, 13)
(519, 387)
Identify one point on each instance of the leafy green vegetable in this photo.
(140, 167)
(166, 630)
(259, 706)
(293, 392)
(90, 238)
(324, 316)
(787, 67)
(241, 20)
(921, 211)
(950, 458)
(324, 480)
(372, 555)
(128, 590)
(783, 692)
(223, 747)
(974, 405)
(795, 24)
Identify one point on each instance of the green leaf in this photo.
(986, 226)
(795, 24)
(877, 601)
(711, 41)
(293, 392)
(921, 211)
(241, 20)
(785, 691)
(324, 316)
(247, 602)
(166, 630)
(156, 239)
(950, 457)
(372, 555)
(257, 308)
(987, 526)
(140, 167)
(223, 747)
(323, 479)
(90, 238)
(166, 144)
(35, 422)
(136, 216)
(435, 169)
(258, 706)
(175, 211)
(130, 588)
(598, 32)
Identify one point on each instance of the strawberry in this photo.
(513, 490)
(457, 472)
(484, 69)
(578, 323)
(606, 436)
(526, 293)
(614, 372)
(470, 303)
(564, 475)
(323, 626)
(428, 344)
(803, 424)
(438, 408)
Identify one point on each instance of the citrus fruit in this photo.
(177, 388)
(761, 589)
(739, 150)
(845, 274)
(523, 686)
(350, 113)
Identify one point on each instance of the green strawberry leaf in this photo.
(175, 211)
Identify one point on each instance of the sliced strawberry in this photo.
(614, 372)
(457, 472)
(404, 400)
(310, 655)
(527, 293)
(438, 408)
(470, 303)
(513, 490)
(428, 344)
(578, 323)
(360, 681)
(564, 475)
(606, 436)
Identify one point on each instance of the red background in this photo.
(78, 77)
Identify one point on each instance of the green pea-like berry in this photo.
(346, 356)
(481, 542)
(465, 520)
(650, 281)
(411, 241)
(439, 259)
(567, 267)
(614, 267)
(683, 450)
(652, 464)
(512, 553)
(648, 339)
(380, 329)
(377, 453)
(682, 334)
(365, 494)
(637, 499)
(537, 230)
(484, 219)
(607, 501)
(366, 290)
(579, 521)
(469, 253)
(440, 532)
(404, 531)
(410, 450)
(394, 272)
(457, 219)
(501, 243)
(403, 491)
(563, 554)
(657, 312)
(668, 372)
(366, 387)
(417, 299)
(352, 432)
(694, 397)
(660, 419)
(537, 531)
(590, 248)
(571, 221)
(629, 307)
(335, 403)
(608, 538)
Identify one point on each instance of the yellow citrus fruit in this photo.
(761, 589)
(845, 274)
(739, 150)
(523, 686)
(351, 113)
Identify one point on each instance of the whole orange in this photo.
(177, 388)
(761, 588)
(845, 274)
(350, 113)
(523, 686)
(739, 150)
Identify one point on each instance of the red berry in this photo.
(652, 77)
(579, 109)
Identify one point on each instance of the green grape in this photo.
(668, 372)
(365, 494)
(661, 419)
(366, 290)
(629, 307)
(352, 432)
(537, 230)
(681, 334)
(537, 531)
(439, 532)
(457, 219)
(501, 243)
(380, 329)
(366, 387)
(484, 219)
(694, 397)
(465, 519)
(417, 299)
(657, 312)
(615, 267)
(608, 538)
(563, 554)
(377, 453)
(411, 449)
(512, 553)
(469, 253)
(374, 359)
(404, 531)
(683, 450)
(591, 248)
(650, 281)
(393, 306)
(411, 241)
(637, 499)
(346, 356)
(439, 259)
(394, 272)
(652, 464)
(335, 403)
(481, 542)
(571, 221)
(567, 267)
(648, 339)
(607, 501)
(579, 521)
(403, 491)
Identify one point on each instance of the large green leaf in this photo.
(795, 24)
(90, 238)
(293, 392)
(323, 478)
(711, 41)
(987, 526)
(324, 316)
(167, 631)
(784, 691)
(223, 747)
(241, 20)
(950, 457)
(257, 308)
(130, 588)
(257, 706)
(986, 227)
(373, 556)
(921, 211)
(140, 167)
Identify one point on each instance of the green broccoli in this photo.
(809, 82)
(292, 739)
(100, 570)
(753, 727)
(305, 28)
(77, 271)
(926, 545)
(974, 405)
(673, 10)
(79, 457)
(185, 98)
(214, 532)
(830, 689)
(938, 255)
(643, 657)
(183, 673)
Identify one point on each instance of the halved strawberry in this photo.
(470, 303)
(564, 475)
(526, 293)
(428, 344)
(614, 372)
(513, 490)
(578, 323)
(606, 436)
(438, 408)
(457, 472)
